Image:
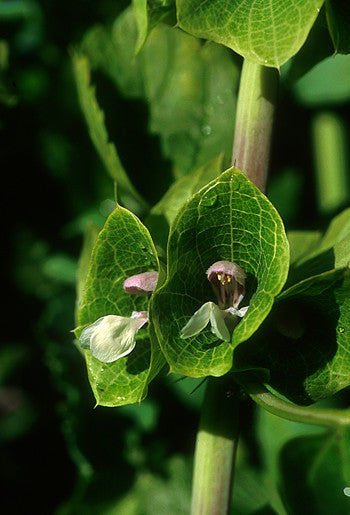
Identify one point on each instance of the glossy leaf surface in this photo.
(268, 32)
(229, 219)
(123, 248)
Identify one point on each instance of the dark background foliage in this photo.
(57, 452)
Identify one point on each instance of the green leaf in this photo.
(267, 32)
(188, 86)
(151, 493)
(284, 191)
(312, 254)
(123, 248)
(163, 213)
(317, 47)
(94, 117)
(302, 243)
(142, 20)
(113, 53)
(327, 83)
(315, 470)
(265, 500)
(148, 13)
(314, 285)
(338, 17)
(229, 219)
(338, 237)
(306, 344)
(273, 433)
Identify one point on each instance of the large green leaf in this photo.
(229, 219)
(94, 117)
(268, 32)
(188, 86)
(315, 470)
(306, 343)
(123, 248)
(338, 17)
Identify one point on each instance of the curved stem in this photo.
(216, 447)
(254, 121)
(320, 417)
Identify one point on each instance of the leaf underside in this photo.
(268, 32)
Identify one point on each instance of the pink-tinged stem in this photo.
(254, 121)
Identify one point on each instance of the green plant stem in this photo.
(331, 418)
(216, 447)
(254, 121)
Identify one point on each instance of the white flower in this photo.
(112, 337)
(228, 281)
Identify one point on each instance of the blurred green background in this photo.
(58, 453)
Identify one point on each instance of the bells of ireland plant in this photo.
(228, 281)
(112, 337)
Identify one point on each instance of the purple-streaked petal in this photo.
(228, 280)
(226, 268)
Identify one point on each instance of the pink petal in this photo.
(226, 267)
(141, 283)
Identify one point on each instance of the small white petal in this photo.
(198, 321)
(111, 337)
(239, 312)
(218, 326)
(209, 312)
(85, 337)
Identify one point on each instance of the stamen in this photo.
(227, 279)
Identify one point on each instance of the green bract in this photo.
(305, 345)
(123, 248)
(229, 219)
(268, 32)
